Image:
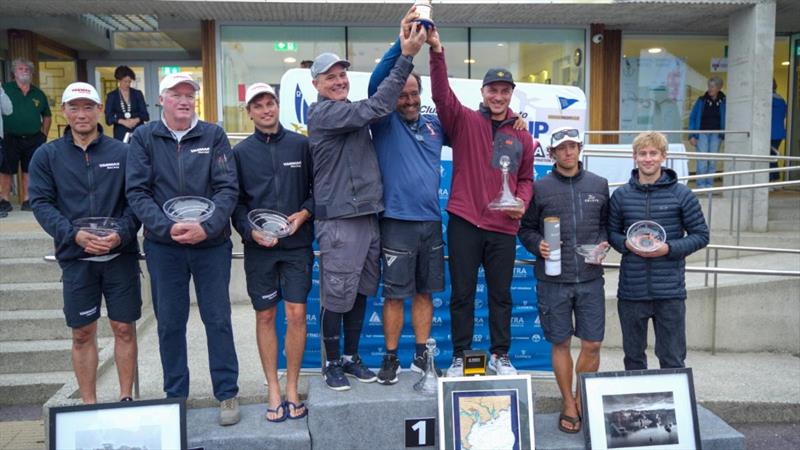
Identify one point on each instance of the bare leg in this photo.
(125, 354)
(84, 361)
(421, 317)
(392, 321)
(588, 361)
(295, 344)
(267, 342)
(562, 367)
(5, 186)
(24, 188)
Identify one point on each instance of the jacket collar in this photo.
(510, 115)
(162, 130)
(668, 178)
(267, 137)
(559, 176)
(69, 139)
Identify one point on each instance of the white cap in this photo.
(80, 90)
(257, 89)
(174, 79)
(564, 134)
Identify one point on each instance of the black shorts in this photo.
(557, 302)
(19, 149)
(273, 275)
(413, 257)
(85, 282)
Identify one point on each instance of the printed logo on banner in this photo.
(436, 321)
(441, 170)
(536, 338)
(444, 194)
(375, 319)
(478, 303)
(479, 321)
(311, 319)
(477, 338)
(520, 272)
(315, 266)
(517, 322)
(480, 288)
(437, 302)
(566, 102)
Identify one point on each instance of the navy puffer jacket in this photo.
(674, 207)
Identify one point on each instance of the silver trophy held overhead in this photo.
(189, 209)
(429, 381)
(505, 199)
(425, 11)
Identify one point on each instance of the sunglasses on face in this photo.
(558, 135)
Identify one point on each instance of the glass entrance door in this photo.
(148, 75)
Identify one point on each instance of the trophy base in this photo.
(500, 205)
(427, 23)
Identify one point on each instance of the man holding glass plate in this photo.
(77, 193)
(169, 159)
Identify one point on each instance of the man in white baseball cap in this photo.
(80, 175)
(176, 156)
(275, 173)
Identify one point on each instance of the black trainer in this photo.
(5, 206)
(357, 369)
(26, 206)
(389, 368)
(334, 376)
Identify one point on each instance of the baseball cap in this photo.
(325, 61)
(80, 90)
(564, 134)
(174, 79)
(256, 89)
(498, 74)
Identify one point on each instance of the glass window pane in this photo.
(550, 56)
(257, 53)
(54, 77)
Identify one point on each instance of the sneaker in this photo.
(456, 368)
(26, 206)
(501, 365)
(389, 368)
(420, 363)
(357, 369)
(5, 206)
(229, 412)
(334, 376)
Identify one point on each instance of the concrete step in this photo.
(31, 388)
(45, 324)
(784, 225)
(789, 212)
(26, 244)
(39, 356)
(16, 296)
(28, 270)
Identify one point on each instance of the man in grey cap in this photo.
(348, 196)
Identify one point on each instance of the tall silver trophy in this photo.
(425, 11)
(505, 199)
(429, 382)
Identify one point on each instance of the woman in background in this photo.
(125, 106)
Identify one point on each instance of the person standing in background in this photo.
(708, 113)
(778, 133)
(126, 108)
(6, 108)
(25, 130)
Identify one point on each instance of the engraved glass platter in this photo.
(189, 209)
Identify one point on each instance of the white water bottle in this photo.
(552, 235)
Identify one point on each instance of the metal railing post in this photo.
(714, 314)
(710, 211)
(733, 197)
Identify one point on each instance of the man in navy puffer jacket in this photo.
(652, 285)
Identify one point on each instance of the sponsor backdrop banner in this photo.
(545, 107)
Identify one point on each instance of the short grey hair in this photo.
(21, 62)
(716, 81)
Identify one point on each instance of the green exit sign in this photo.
(166, 70)
(282, 46)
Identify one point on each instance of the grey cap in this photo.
(325, 61)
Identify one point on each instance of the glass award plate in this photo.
(271, 224)
(98, 226)
(592, 253)
(189, 209)
(646, 235)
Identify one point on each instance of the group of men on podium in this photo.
(368, 175)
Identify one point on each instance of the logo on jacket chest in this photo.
(200, 150)
(109, 165)
(293, 164)
(591, 198)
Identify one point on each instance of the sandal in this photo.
(282, 416)
(294, 407)
(574, 421)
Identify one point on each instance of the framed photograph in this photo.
(640, 409)
(151, 424)
(486, 412)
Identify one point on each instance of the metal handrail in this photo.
(614, 153)
(753, 249)
(619, 132)
(722, 174)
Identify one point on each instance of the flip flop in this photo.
(572, 420)
(293, 407)
(282, 417)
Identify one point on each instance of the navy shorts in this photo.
(19, 149)
(273, 275)
(557, 302)
(413, 257)
(85, 282)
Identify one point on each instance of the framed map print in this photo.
(487, 412)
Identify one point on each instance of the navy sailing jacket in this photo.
(275, 172)
(673, 206)
(68, 183)
(160, 168)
